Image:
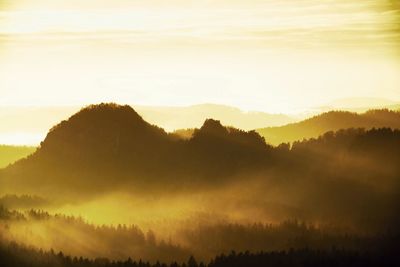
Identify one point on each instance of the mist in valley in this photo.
(219, 191)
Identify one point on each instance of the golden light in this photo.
(270, 56)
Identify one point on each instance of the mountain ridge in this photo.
(330, 121)
(109, 142)
(110, 149)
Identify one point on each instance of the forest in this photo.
(14, 255)
(290, 243)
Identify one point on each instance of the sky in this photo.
(273, 56)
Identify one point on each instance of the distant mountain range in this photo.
(360, 104)
(330, 121)
(172, 118)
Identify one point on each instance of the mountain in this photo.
(97, 144)
(109, 144)
(330, 121)
(110, 149)
(10, 154)
(360, 104)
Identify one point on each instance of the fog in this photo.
(134, 190)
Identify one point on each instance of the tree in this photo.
(192, 262)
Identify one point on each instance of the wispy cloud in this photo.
(302, 22)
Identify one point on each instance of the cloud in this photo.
(307, 23)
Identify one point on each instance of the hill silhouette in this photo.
(111, 144)
(330, 121)
(101, 133)
(99, 142)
